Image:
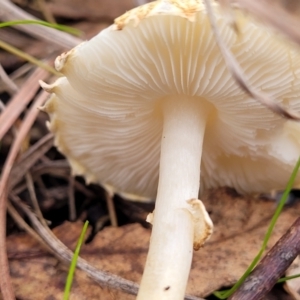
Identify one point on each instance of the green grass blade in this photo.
(28, 58)
(64, 28)
(74, 262)
(284, 279)
(227, 293)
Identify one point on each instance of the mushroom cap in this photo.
(106, 112)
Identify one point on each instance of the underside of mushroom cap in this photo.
(106, 112)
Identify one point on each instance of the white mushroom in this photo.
(149, 99)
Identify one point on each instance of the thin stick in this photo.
(272, 266)
(239, 76)
(5, 283)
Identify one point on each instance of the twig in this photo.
(240, 78)
(65, 255)
(5, 283)
(9, 11)
(20, 101)
(272, 14)
(271, 267)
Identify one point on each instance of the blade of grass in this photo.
(284, 279)
(60, 27)
(28, 57)
(74, 262)
(225, 294)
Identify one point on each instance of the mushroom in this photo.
(148, 100)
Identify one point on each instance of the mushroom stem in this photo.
(171, 247)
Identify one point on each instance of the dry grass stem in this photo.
(274, 15)
(55, 169)
(33, 198)
(11, 86)
(23, 70)
(239, 76)
(10, 12)
(17, 74)
(23, 225)
(2, 106)
(19, 102)
(29, 158)
(46, 12)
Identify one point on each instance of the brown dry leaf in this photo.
(240, 225)
(39, 276)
